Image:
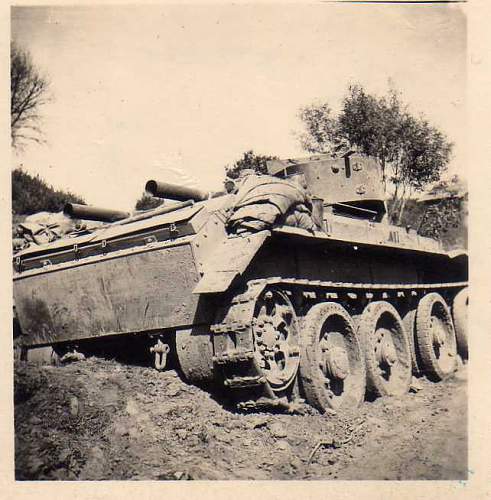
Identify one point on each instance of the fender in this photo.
(229, 261)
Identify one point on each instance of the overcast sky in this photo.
(141, 90)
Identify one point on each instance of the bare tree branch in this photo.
(28, 93)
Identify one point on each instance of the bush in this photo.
(445, 221)
(249, 160)
(147, 202)
(32, 194)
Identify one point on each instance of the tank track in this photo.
(234, 351)
(233, 337)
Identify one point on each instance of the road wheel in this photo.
(332, 367)
(459, 312)
(435, 336)
(195, 354)
(409, 322)
(387, 352)
(276, 339)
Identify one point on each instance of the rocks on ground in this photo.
(97, 419)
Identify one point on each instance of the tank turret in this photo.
(349, 185)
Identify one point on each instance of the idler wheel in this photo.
(459, 312)
(436, 337)
(276, 339)
(195, 354)
(332, 368)
(387, 351)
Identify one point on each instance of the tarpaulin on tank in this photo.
(44, 227)
(262, 201)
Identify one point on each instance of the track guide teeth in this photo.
(232, 327)
(242, 382)
(232, 357)
(266, 404)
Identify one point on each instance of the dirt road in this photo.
(98, 419)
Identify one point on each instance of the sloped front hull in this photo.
(132, 292)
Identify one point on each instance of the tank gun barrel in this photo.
(85, 212)
(157, 211)
(175, 192)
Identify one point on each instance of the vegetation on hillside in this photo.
(148, 202)
(443, 215)
(249, 160)
(31, 194)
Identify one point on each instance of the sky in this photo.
(176, 92)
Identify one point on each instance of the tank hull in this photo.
(133, 292)
(143, 290)
(317, 258)
(276, 311)
(134, 278)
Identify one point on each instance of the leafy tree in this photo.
(147, 202)
(249, 160)
(411, 152)
(28, 93)
(32, 194)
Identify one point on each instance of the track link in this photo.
(234, 351)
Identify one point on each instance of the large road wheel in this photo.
(387, 352)
(332, 367)
(195, 354)
(436, 337)
(276, 339)
(459, 312)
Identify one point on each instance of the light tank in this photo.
(287, 286)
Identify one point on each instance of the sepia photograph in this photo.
(239, 241)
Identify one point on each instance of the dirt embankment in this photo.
(98, 419)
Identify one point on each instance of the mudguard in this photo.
(230, 260)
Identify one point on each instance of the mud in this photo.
(99, 419)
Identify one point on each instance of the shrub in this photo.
(32, 194)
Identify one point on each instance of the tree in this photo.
(249, 160)
(147, 202)
(410, 151)
(28, 93)
(32, 194)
